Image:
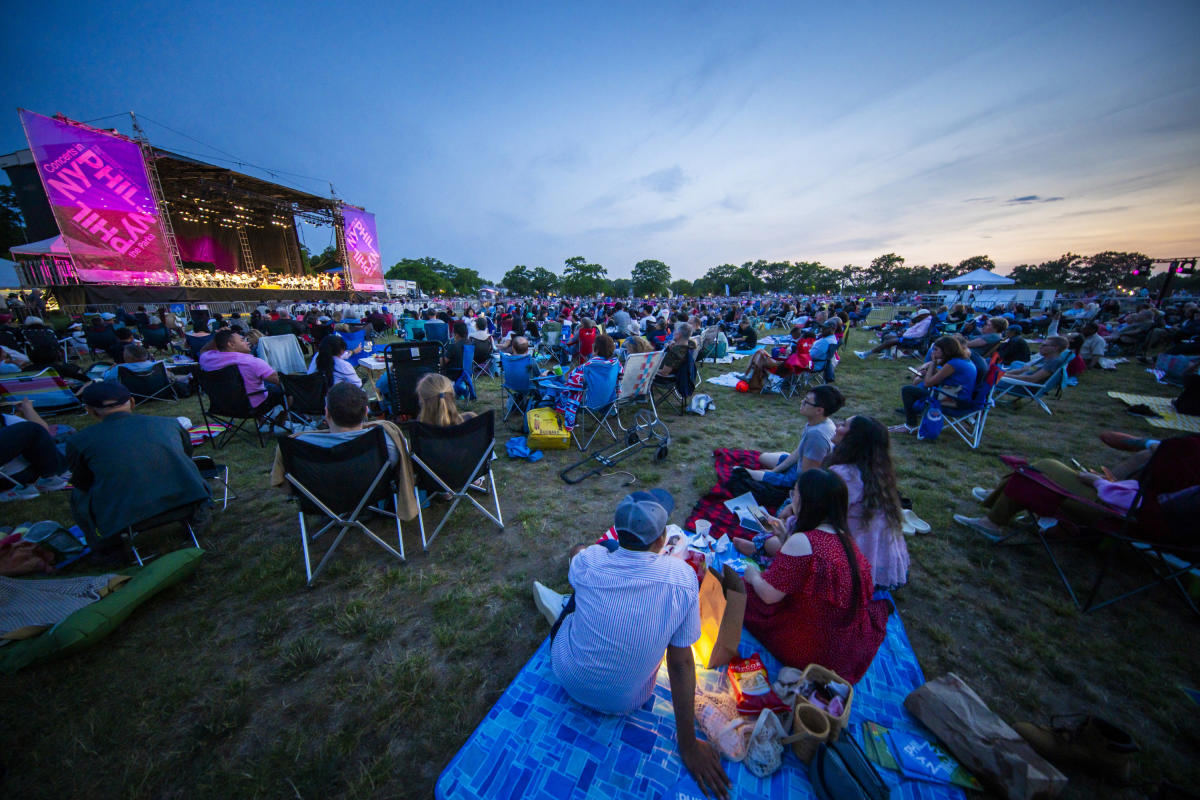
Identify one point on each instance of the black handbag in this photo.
(765, 494)
(841, 771)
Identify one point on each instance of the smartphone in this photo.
(915, 371)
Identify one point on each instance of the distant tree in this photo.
(682, 287)
(543, 280)
(518, 280)
(942, 271)
(12, 224)
(429, 274)
(650, 277)
(853, 279)
(1108, 269)
(973, 263)
(809, 277)
(881, 275)
(622, 287)
(467, 281)
(775, 275)
(581, 278)
(743, 279)
(326, 259)
(913, 279)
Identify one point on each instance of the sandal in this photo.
(902, 429)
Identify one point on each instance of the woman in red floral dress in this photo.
(813, 604)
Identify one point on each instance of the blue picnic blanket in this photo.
(538, 743)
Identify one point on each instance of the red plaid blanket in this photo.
(712, 505)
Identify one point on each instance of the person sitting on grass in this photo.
(29, 455)
(911, 336)
(630, 604)
(746, 337)
(989, 336)
(814, 604)
(949, 367)
(816, 441)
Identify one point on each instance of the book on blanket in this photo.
(749, 514)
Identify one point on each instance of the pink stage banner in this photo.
(100, 195)
(362, 250)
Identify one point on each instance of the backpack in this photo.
(841, 771)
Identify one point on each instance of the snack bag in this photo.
(751, 688)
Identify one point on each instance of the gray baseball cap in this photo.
(643, 514)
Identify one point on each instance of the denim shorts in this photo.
(785, 479)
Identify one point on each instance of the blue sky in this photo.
(695, 133)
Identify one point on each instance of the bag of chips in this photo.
(751, 688)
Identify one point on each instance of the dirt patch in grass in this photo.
(243, 682)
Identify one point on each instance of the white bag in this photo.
(765, 752)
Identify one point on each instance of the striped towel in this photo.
(27, 607)
(45, 388)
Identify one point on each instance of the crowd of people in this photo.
(220, 279)
(834, 537)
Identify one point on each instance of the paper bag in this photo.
(981, 741)
(722, 609)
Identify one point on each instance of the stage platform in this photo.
(85, 294)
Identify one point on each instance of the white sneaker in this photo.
(980, 494)
(21, 493)
(861, 354)
(54, 483)
(548, 601)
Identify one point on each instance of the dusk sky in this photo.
(695, 133)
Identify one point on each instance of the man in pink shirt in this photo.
(259, 377)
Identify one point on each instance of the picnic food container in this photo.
(810, 727)
(818, 674)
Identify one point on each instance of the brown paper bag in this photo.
(722, 609)
(984, 743)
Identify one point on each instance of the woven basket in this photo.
(819, 674)
(810, 727)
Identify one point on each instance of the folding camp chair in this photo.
(210, 470)
(283, 353)
(47, 391)
(1157, 527)
(356, 340)
(406, 363)
(680, 384)
(637, 383)
(413, 330)
(155, 384)
(341, 482)
(1021, 390)
(197, 343)
(517, 385)
(223, 399)
(548, 346)
(158, 337)
(464, 382)
(304, 396)
(42, 346)
(483, 368)
(182, 515)
(451, 459)
(437, 331)
(103, 341)
(12, 339)
(968, 421)
(599, 401)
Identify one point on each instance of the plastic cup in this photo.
(702, 527)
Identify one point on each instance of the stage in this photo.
(89, 294)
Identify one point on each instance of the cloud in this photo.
(641, 229)
(665, 181)
(1031, 198)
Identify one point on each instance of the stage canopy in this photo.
(46, 247)
(979, 277)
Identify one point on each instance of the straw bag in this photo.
(810, 726)
(818, 674)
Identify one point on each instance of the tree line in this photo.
(885, 273)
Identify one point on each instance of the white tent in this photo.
(46, 247)
(979, 277)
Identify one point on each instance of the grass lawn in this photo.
(241, 682)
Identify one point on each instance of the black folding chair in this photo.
(182, 515)
(210, 470)
(103, 341)
(341, 482)
(146, 386)
(450, 459)
(223, 399)
(156, 336)
(406, 363)
(12, 339)
(42, 347)
(304, 396)
(679, 384)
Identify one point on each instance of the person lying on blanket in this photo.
(816, 442)
(630, 604)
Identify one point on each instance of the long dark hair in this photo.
(824, 501)
(867, 448)
(330, 348)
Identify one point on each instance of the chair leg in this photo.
(308, 574)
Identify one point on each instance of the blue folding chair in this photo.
(464, 383)
(518, 387)
(355, 340)
(437, 331)
(599, 401)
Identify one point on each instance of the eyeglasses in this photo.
(807, 402)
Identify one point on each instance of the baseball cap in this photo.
(32, 320)
(643, 514)
(103, 394)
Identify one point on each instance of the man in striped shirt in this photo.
(630, 604)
